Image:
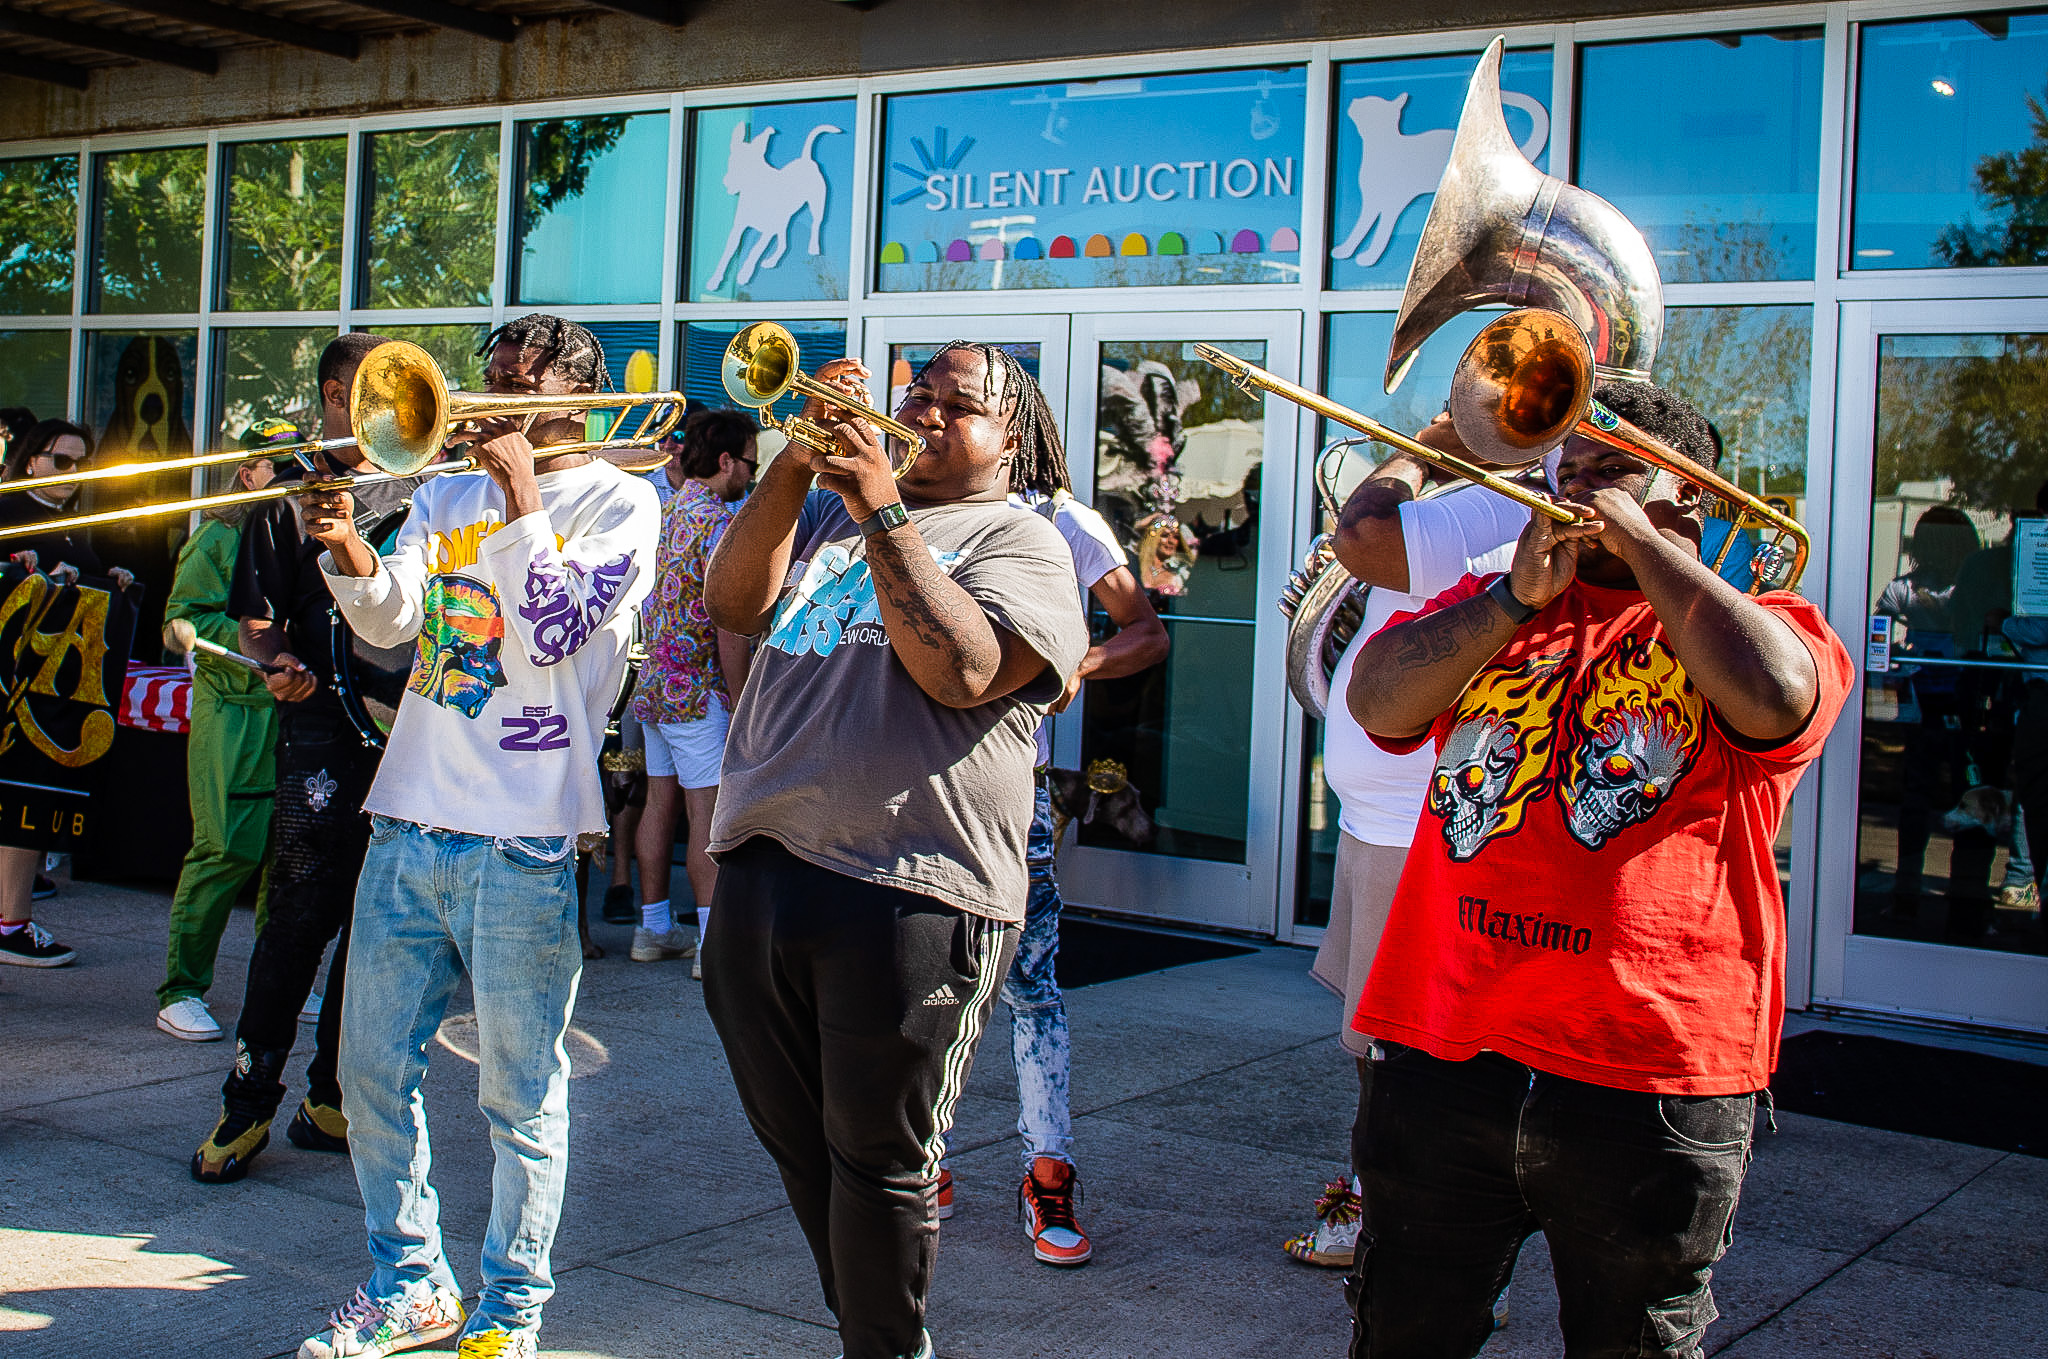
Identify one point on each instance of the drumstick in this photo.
(185, 637)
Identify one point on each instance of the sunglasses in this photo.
(64, 462)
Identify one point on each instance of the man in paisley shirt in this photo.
(691, 680)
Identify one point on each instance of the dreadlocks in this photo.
(570, 349)
(1040, 463)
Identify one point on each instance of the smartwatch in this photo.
(884, 519)
(1518, 613)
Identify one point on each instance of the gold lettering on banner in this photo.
(83, 633)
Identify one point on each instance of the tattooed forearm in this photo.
(939, 633)
(1407, 675)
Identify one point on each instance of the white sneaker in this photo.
(367, 1329)
(649, 947)
(190, 1020)
(309, 1013)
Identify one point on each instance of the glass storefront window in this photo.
(766, 232)
(148, 218)
(631, 357)
(1178, 456)
(704, 345)
(430, 217)
(1179, 179)
(36, 365)
(38, 229)
(1394, 125)
(138, 392)
(1952, 823)
(1711, 146)
(1950, 137)
(280, 250)
(588, 225)
(263, 371)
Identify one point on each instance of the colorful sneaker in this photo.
(364, 1328)
(1335, 1238)
(649, 947)
(945, 1193)
(189, 1019)
(225, 1156)
(33, 946)
(498, 1344)
(1046, 1203)
(318, 1127)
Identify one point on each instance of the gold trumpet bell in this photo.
(1500, 230)
(399, 407)
(762, 365)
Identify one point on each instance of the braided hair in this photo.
(1040, 463)
(570, 350)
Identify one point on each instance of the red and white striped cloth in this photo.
(157, 698)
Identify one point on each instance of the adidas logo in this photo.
(943, 996)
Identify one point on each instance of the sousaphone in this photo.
(1499, 231)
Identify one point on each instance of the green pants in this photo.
(231, 772)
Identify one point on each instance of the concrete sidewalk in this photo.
(1211, 1105)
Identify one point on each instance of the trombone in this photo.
(760, 367)
(402, 412)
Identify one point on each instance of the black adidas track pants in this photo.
(850, 1013)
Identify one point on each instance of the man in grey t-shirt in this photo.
(874, 804)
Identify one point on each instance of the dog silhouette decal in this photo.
(1397, 167)
(770, 196)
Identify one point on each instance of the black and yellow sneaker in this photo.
(224, 1157)
(318, 1127)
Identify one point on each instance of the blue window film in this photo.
(771, 203)
(1395, 122)
(1153, 180)
(1944, 109)
(632, 351)
(1711, 146)
(589, 210)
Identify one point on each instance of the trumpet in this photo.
(761, 366)
(401, 411)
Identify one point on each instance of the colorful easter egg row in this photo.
(1098, 246)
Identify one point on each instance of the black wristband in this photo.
(1503, 594)
(884, 519)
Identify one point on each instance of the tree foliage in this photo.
(433, 217)
(38, 221)
(2015, 185)
(151, 217)
(284, 225)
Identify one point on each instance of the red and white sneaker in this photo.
(945, 1193)
(1046, 1203)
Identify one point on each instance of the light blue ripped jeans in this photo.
(1038, 1014)
(433, 905)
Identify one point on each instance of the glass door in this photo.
(1935, 794)
(1176, 458)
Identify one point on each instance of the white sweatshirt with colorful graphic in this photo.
(522, 631)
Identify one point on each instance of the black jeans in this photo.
(850, 1013)
(320, 833)
(1462, 1161)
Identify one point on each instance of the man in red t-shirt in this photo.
(1580, 987)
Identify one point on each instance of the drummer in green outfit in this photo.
(230, 761)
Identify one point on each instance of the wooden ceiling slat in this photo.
(495, 27)
(113, 40)
(251, 24)
(44, 69)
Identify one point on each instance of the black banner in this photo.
(63, 658)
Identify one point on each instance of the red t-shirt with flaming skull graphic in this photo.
(1592, 889)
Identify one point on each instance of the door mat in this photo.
(1992, 1102)
(1094, 951)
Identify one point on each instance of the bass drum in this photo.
(369, 680)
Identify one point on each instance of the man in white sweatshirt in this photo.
(519, 582)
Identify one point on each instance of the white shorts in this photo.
(689, 752)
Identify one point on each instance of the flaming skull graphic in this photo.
(1639, 722)
(1492, 763)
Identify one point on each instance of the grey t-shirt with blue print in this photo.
(837, 753)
